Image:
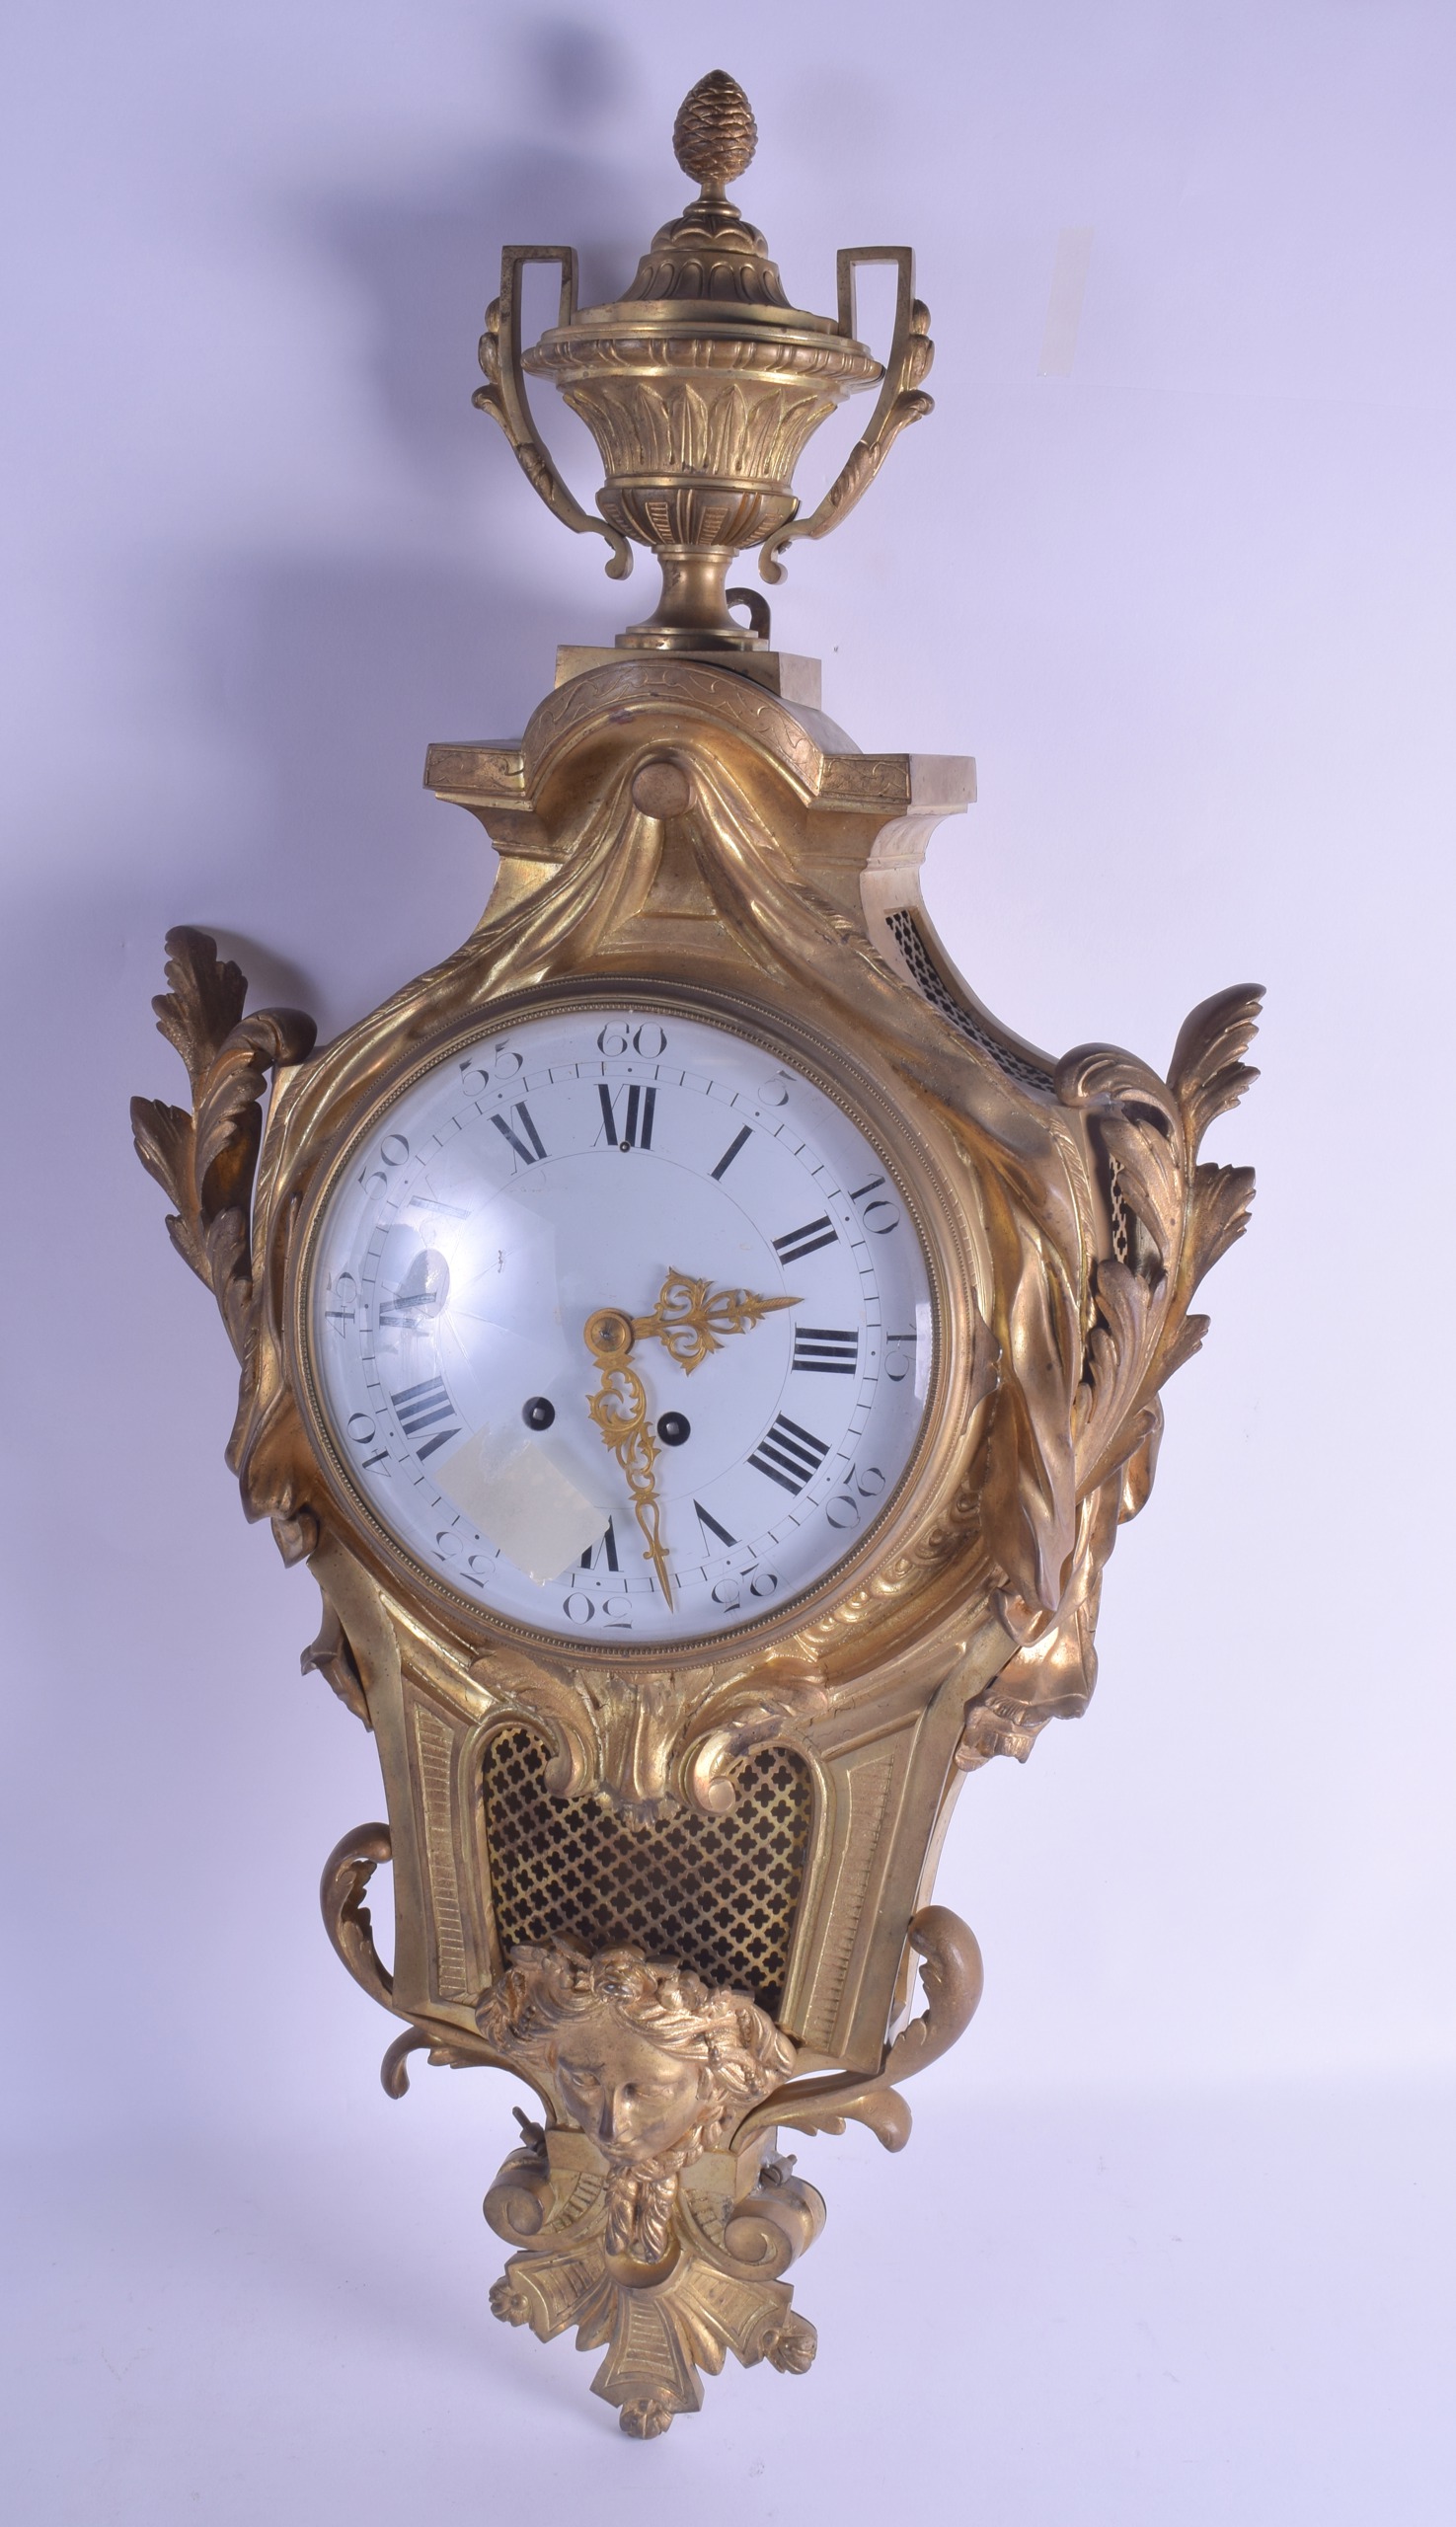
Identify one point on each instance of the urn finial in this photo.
(715, 135)
(702, 385)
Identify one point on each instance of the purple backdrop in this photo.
(1174, 560)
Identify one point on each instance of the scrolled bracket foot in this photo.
(715, 2290)
(778, 2221)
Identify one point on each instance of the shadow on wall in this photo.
(330, 674)
(298, 687)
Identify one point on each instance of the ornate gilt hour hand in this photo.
(619, 1407)
(691, 1318)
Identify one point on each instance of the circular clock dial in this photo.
(621, 1326)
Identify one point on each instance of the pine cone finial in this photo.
(715, 135)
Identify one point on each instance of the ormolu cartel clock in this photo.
(703, 1354)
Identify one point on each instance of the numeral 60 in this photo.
(649, 1040)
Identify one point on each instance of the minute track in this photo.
(495, 1209)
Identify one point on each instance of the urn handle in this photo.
(900, 399)
(504, 395)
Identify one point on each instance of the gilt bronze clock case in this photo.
(681, 1886)
(908, 1189)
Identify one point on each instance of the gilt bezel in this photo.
(842, 1078)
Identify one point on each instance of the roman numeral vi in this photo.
(606, 1550)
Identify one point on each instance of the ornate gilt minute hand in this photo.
(690, 1320)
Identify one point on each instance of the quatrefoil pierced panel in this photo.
(719, 1895)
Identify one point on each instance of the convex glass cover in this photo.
(620, 1325)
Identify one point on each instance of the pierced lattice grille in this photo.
(715, 1893)
(905, 931)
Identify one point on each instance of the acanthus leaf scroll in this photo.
(1178, 1217)
(206, 1161)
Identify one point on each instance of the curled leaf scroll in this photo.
(205, 1160)
(1079, 1414)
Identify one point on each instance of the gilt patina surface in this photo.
(675, 833)
(702, 386)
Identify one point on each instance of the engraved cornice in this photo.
(489, 771)
(828, 775)
(509, 773)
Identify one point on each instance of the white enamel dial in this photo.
(622, 1328)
